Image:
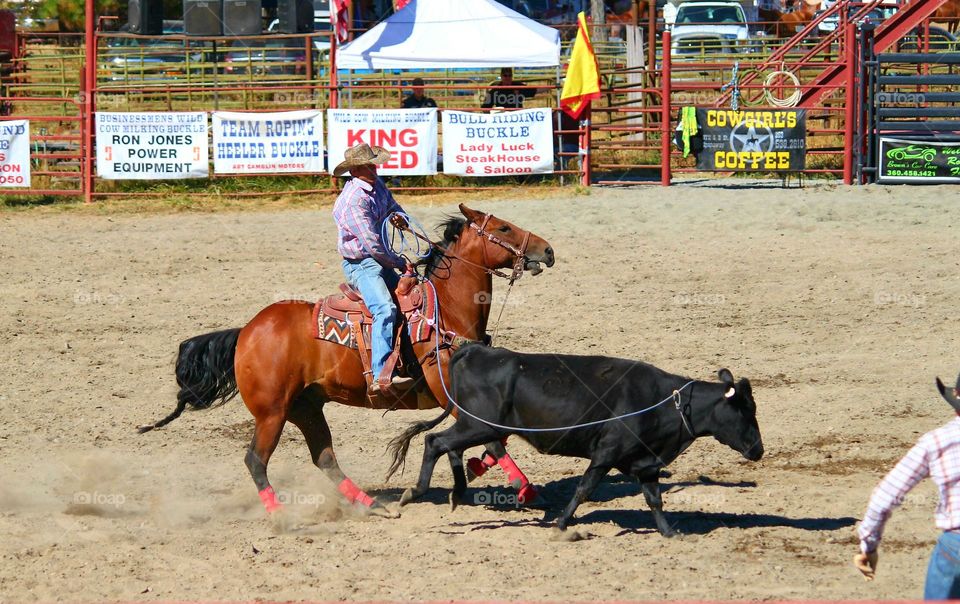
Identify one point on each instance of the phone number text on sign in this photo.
(15, 153)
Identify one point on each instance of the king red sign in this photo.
(409, 134)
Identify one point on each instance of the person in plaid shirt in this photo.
(369, 265)
(937, 455)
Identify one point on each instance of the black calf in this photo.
(540, 396)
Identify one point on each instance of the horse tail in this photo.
(205, 373)
(399, 446)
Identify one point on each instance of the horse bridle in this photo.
(519, 262)
(520, 253)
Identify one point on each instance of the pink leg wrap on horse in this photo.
(353, 493)
(269, 499)
(516, 478)
(478, 467)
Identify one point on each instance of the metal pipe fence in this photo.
(625, 139)
(57, 148)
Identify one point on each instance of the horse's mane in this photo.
(451, 227)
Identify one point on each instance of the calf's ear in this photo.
(725, 376)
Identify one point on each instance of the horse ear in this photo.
(471, 215)
(725, 376)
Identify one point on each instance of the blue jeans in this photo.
(375, 283)
(943, 573)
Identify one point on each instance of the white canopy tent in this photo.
(444, 34)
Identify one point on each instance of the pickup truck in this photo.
(708, 28)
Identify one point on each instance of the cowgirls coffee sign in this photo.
(409, 134)
(494, 144)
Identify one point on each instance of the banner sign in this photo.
(495, 144)
(258, 143)
(919, 161)
(409, 134)
(152, 146)
(15, 153)
(753, 140)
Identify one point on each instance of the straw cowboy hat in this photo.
(361, 155)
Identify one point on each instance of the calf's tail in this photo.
(398, 447)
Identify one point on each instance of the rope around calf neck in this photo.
(673, 396)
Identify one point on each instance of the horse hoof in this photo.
(454, 501)
(566, 536)
(475, 469)
(407, 497)
(280, 521)
(528, 494)
(381, 511)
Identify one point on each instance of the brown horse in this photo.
(792, 22)
(770, 17)
(949, 14)
(283, 373)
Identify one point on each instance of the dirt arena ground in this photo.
(839, 304)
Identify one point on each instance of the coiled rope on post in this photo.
(790, 101)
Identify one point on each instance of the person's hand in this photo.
(866, 564)
(398, 221)
(409, 269)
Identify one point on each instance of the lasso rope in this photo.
(673, 396)
(404, 245)
(399, 242)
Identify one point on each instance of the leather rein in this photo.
(520, 253)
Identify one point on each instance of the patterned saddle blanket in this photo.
(336, 318)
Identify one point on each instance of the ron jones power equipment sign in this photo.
(752, 141)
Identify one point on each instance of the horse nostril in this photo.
(550, 256)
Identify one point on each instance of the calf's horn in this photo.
(950, 395)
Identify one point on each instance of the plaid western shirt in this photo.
(359, 212)
(937, 455)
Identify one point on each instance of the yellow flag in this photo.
(582, 82)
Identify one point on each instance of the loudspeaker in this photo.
(145, 17)
(202, 18)
(242, 18)
(296, 16)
